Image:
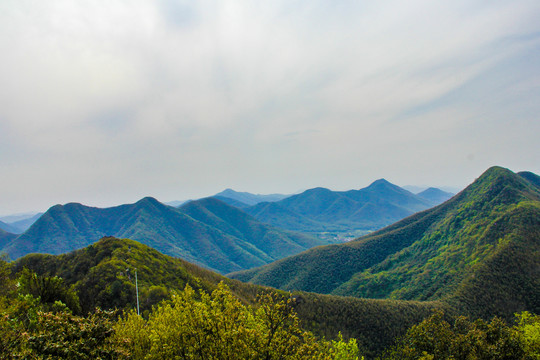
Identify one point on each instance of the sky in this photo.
(104, 102)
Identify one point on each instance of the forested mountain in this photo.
(103, 274)
(231, 240)
(320, 209)
(478, 251)
(531, 177)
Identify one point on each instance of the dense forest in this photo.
(42, 318)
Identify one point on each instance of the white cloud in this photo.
(186, 96)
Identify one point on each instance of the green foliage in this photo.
(7, 285)
(50, 291)
(218, 326)
(435, 338)
(341, 350)
(103, 274)
(99, 274)
(66, 336)
(29, 333)
(373, 323)
(528, 330)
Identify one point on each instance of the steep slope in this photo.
(530, 177)
(276, 243)
(320, 209)
(432, 255)
(435, 196)
(216, 245)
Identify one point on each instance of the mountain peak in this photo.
(380, 182)
(148, 200)
(227, 191)
(317, 190)
(495, 172)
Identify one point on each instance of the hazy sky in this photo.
(105, 102)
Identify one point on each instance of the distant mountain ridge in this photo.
(6, 237)
(9, 228)
(217, 245)
(321, 209)
(20, 223)
(435, 196)
(482, 245)
(244, 199)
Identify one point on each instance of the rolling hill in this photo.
(219, 244)
(478, 251)
(320, 209)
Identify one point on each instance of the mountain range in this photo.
(20, 224)
(477, 254)
(217, 232)
(370, 208)
(207, 232)
(246, 199)
(478, 251)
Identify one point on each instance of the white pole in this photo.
(137, 291)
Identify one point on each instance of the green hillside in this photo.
(218, 236)
(454, 252)
(276, 243)
(103, 274)
(321, 210)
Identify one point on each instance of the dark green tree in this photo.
(49, 291)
